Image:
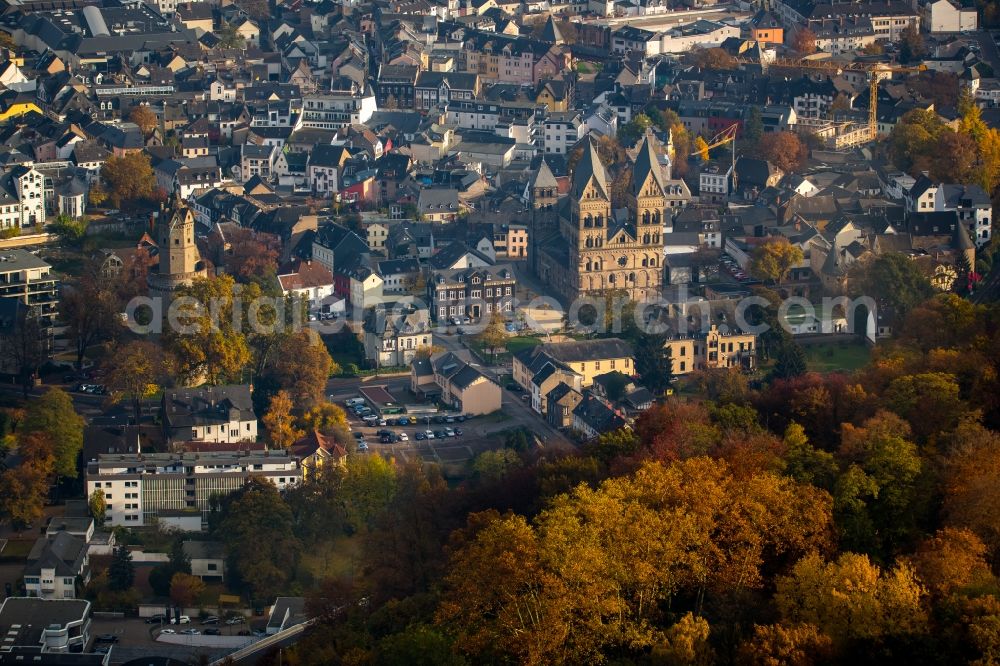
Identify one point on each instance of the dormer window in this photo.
(475, 280)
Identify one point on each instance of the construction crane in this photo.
(877, 72)
(727, 135)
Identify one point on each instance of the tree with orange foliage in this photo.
(803, 40)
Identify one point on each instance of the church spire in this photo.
(646, 164)
(590, 168)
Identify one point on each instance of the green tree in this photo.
(494, 465)
(121, 572)
(929, 401)
(791, 360)
(632, 131)
(805, 463)
(753, 128)
(494, 336)
(70, 231)
(53, 414)
(98, 506)
(894, 280)
(255, 523)
(90, 310)
(653, 362)
(368, 487)
(418, 645)
(229, 38)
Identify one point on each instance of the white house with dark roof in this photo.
(209, 414)
(54, 566)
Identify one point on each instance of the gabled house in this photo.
(209, 414)
(450, 377)
(55, 565)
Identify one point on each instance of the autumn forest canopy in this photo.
(816, 519)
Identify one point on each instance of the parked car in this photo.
(106, 638)
(191, 632)
(156, 619)
(236, 619)
(461, 417)
(385, 439)
(211, 619)
(167, 631)
(429, 434)
(420, 436)
(525, 397)
(212, 632)
(440, 434)
(403, 421)
(403, 437)
(449, 432)
(458, 432)
(358, 435)
(245, 632)
(514, 387)
(362, 445)
(383, 432)
(184, 619)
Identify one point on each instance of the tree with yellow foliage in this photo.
(279, 421)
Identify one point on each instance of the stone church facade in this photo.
(582, 248)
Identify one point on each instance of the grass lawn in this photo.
(17, 549)
(515, 343)
(335, 558)
(833, 357)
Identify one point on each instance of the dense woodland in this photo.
(819, 519)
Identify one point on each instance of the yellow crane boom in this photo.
(877, 72)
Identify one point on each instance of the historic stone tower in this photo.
(180, 261)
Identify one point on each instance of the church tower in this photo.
(180, 260)
(648, 194)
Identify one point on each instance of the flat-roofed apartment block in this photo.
(48, 626)
(177, 488)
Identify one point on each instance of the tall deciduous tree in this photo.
(130, 177)
(135, 371)
(23, 489)
(804, 41)
(53, 415)
(211, 345)
(91, 314)
(494, 336)
(852, 598)
(256, 526)
(144, 117)
(783, 149)
(701, 148)
(893, 280)
(98, 506)
(185, 589)
(653, 363)
(301, 365)
(279, 421)
(774, 259)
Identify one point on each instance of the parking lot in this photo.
(136, 639)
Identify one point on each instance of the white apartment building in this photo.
(335, 110)
(139, 488)
(946, 16)
(563, 129)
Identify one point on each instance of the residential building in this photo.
(766, 28)
(221, 414)
(335, 110)
(207, 558)
(948, 16)
(593, 417)
(22, 197)
(714, 181)
(563, 130)
(972, 205)
(316, 450)
(308, 280)
(433, 89)
(25, 277)
(45, 625)
(712, 349)
(257, 160)
(393, 334)
(450, 377)
(472, 292)
(586, 358)
(55, 565)
(179, 488)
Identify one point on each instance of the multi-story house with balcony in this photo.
(221, 414)
(25, 277)
(472, 292)
(334, 110)
(55, 565)
(257, 160)
(180, 487)
(512, 59)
